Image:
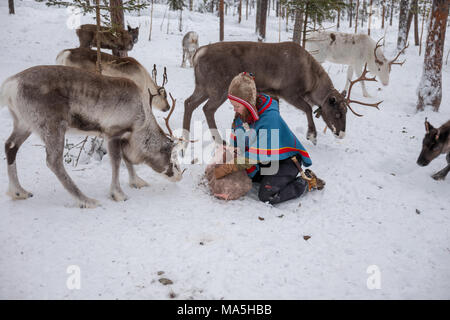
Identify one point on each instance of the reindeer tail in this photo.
(7, 90)
(62, 57)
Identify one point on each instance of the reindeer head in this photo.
(119, 40)
(134, 32)
(333, 111)
(381, 66)
(432, 145)
(150, 145)
(334, 107)
(159, 99)
(155, 149)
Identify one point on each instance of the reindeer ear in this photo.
(428, 126)
(437, 135)
(344, 93)
(129, 28)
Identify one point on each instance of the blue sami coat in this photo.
(267, 139)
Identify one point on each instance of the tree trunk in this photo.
(240, 11)
(117, 21)
(338, 18)
(383, 14)
(221, 18)
(402, 24)
(11, 6)
(297, 36)
(190, 4)
(151, 23)
(263, 19)
(246, 10)
(364, 13)
(424, 17)
(98, 65)
(392, 12)
(350, 15)
(258, 16)
(430, 87)
(357, 14)
(287, 19)
(416, 22)
(180, 25)
(305, 24)
(370, 17)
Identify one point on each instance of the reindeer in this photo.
(190, 45)
(134, 32)
(435, 142)
(354, 50)
(283, 70)
(53, 100)
(109, 39)
(113, 66)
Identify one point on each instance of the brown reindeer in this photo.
(435, 142)
(51, 100)
(134, 32)
(113, 66)
(283, 70)
(109, 39)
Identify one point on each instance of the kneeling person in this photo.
(265, 143)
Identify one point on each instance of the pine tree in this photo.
(430, 87)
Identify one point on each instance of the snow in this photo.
(379, 208)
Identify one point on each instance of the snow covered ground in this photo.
(379, 211)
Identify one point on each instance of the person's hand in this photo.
(222, 170)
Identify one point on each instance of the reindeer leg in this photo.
(114, 153)
(183, 62)
(12, 145)
(440, 175)
(209, 110)
(54, 145)
(190, 104)
(135, 181)
(363, 84)
(349, 77)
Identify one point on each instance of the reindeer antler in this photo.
(362, 77)
(154, 72)
(174, 101)
(375, 51)
(164, 78)
(393, 61)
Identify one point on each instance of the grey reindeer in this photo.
(435, 143)
(52, 100)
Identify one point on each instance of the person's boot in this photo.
(314, 182)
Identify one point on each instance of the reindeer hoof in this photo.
(438, 176)
(88, 203)
(19, 194)
(312, 137)
(118, 196)
(138, 183)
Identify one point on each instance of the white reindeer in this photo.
(354, 50)
(51, 100)
(190, 45)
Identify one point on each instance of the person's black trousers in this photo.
(281, 186)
